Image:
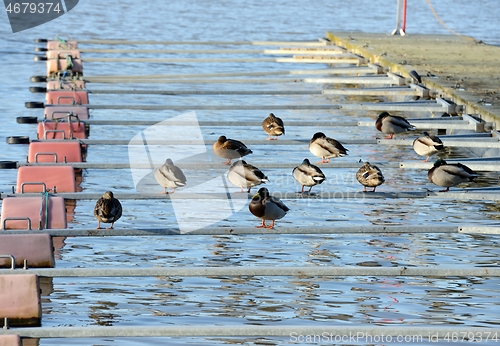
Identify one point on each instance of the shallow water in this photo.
(255, 300)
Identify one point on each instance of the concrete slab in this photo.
(465, 70)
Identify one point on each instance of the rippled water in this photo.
(255, 300)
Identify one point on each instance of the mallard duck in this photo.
(273, 126)
(370, 176)
(107, 209)
(267, 207)
(392, 124)
(230, 149)
(307, 174)
(450, 174)
(326, 147)
(245, 175)
(427, 145)
(169, 175)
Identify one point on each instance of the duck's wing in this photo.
(276, 201)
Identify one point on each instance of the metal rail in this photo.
(329, 59)
(335, 334)
(317, 43)
(220, 231)
(435, 271)
(457, 194)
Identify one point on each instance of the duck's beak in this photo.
(257, 194)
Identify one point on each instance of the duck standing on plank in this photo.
(307, 174)
(326, 147)
(392, 124)
(245, 175)
(267, 207)
(273, 126)
(450, 174)
(370, 176)
(230, 149)
(169, 175)
(427, 145)
(108, 209)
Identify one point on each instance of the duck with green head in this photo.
(392, 124)
(307, 174)
(450, 174)
(267, 207)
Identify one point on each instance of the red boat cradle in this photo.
(44, 212)
(66, 97)
(61, 44)
(62, 53)
(20, 300)
(36, 249)
(69, 151)
(73, 84)
(60, 65)
(42, 178)
(61, 130)
(56, 112)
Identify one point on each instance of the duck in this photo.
(107, 209)
(267, 207)
(415, 77)
(230, 149)
(307, 174)
(326, 147)
(370, 176)
(450, 174)
(169, 175)
(427, 145)
(392, 124)
(273, 126)
(245, 175)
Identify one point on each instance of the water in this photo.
(255, 300)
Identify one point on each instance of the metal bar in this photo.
(326, 71)
(458, 194)
(223, 195)
(375, 79)
(210, 107)
(388, 91)
(214, 43)
(337, 59)
(290, 51)
(367, 229)
(366, 334)
(207, 92)
(477, 143)
(436, 271)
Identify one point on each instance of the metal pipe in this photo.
(336, 59)
(360, 333)
(366, 229)
(435, 271)
(398, 18)
(289, 51)
(214, 43)
(403, 23)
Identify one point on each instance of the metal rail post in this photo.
(401, 9)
